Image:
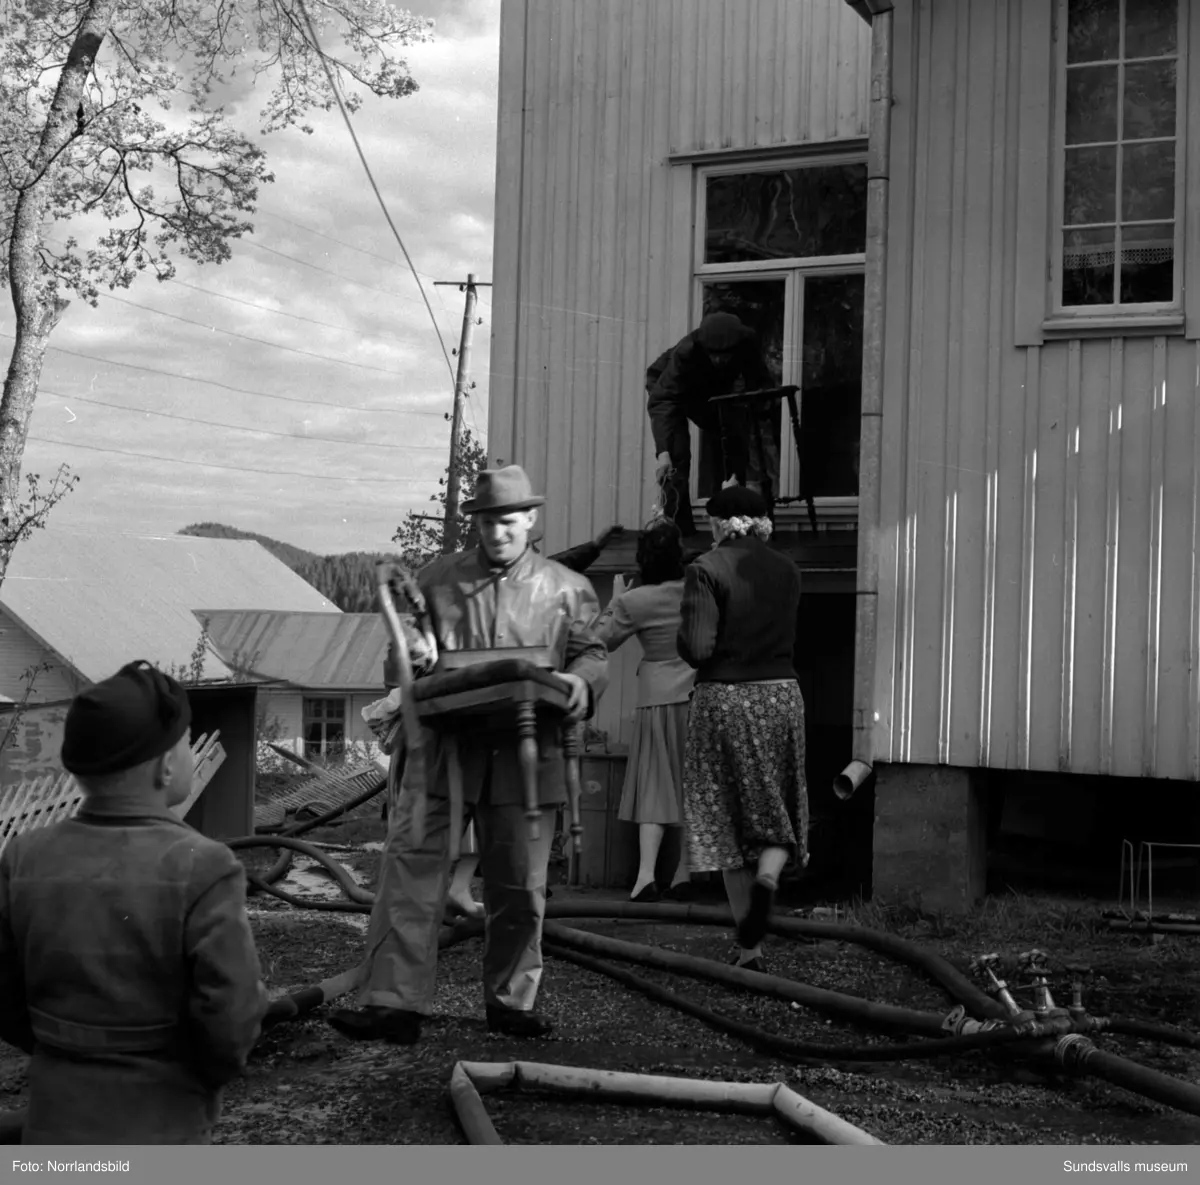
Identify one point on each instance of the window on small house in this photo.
(1121, 158)
(324, 727)
(783, 248)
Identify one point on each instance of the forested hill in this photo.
(348, 580)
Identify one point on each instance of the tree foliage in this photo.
(112, 127)
(421, 536)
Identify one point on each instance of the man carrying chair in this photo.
(501, 595)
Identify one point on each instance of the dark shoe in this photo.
(752, 929)
(512, 1023)
(378, 1024)
(648, 895)
(684, 891)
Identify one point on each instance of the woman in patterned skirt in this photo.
(744, 770)
(653, 793)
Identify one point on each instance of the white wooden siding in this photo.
(20, 652)
(1039, 591)
(594, 224)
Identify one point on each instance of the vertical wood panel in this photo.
(888, 710)
(1154, 500)
(912, 503)
(507, 257)
(1112, 537)
(1029, 564)
(1070, 528)
(1179, 414)
(1129, 693)
(1193, 723)
(954, 381)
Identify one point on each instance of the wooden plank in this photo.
(1154, 590)
(1071, 433)
(1033, 171)
(209, 757)
(1112, 491)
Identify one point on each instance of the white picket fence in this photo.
(38, 802)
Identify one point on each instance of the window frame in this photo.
(306, 719)
(1160, 316)
(794, 270)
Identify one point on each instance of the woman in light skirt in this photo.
(652, 796)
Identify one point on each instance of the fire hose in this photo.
(1061, 1046)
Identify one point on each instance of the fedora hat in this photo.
(498, 491)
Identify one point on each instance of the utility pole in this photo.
(454, 478)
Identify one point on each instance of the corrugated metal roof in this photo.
(311, 650)
(101, 600)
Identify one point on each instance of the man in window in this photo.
(501, 595)
(680, 385)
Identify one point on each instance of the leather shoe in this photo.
(647, 895)
(378, 1024)
(513, 1023)
(753, 927)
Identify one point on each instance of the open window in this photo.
(782, 245)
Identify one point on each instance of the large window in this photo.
(782, 245)
(324, 728)
(1119, 162)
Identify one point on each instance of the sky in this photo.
(320, 283)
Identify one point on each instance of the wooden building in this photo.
(318, 672)
(994, 204)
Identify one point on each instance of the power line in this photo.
(337, 94)
(170, 374)
(282, 312)
(340, 242)
(146, 411)
(95, 448)
(247, 338)
(263, 307)
(317, 268)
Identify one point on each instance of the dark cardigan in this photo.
(740, 602)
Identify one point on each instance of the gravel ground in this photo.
(307, 1085)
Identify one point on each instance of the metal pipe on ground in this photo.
(469, 1079)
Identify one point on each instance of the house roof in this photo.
(98, 600)
(316, 651)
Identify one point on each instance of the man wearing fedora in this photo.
(501, 594)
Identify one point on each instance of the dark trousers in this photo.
(730, 425)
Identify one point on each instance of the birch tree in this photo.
(111, 117)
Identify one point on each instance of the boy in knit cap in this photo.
(127, 964)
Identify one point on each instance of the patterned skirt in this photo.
(743, 779)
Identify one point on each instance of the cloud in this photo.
(322, 274)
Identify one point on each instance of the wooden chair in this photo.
(516, 685)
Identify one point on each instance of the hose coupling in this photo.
(1073, 1051)
(956, 1020)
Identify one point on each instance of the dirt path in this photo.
(307, 1085)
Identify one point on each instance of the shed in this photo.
(322, 670)
(75, 607)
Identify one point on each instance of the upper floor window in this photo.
(1120, 161)
(782, 245)
(791, 213)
